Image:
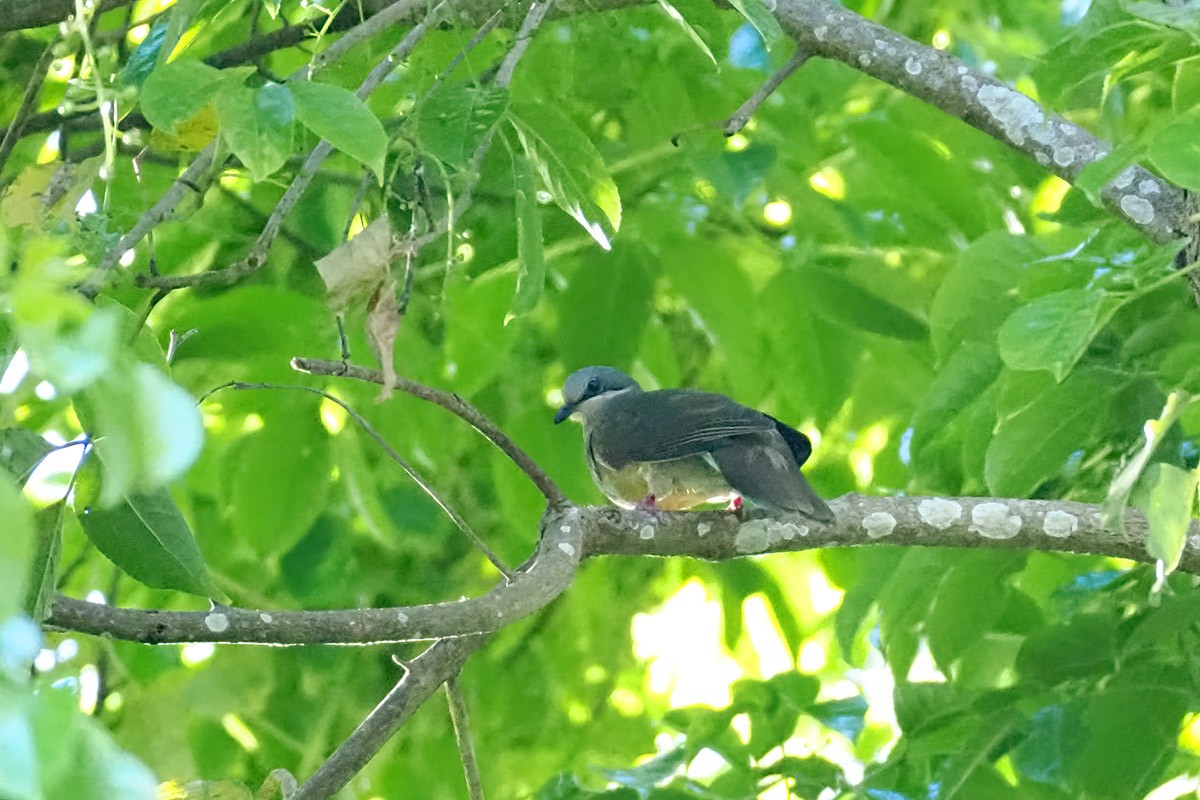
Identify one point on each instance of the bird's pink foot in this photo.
(735, 505)
(647, 503)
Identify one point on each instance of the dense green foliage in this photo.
(940, 314)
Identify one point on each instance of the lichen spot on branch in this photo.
(992, 521)
(757, 535)
(1018, 115)
(879, 524)
(216, 622)
(939, 512)
(1060, 524)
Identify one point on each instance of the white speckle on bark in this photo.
(1018, 115)
(567, 548)
(217, 623)
(402, 617)
(962, 70)
(864, 60)
(820, 32)
(939, 512)
(912, 65)
(1042, 158)
(703, 528)
(1125, 178)
(992, 521)
(879, 524)
(1060, 524)
(1139, 209)
(267, 618)
(1063, 156)
(1148, 187)
(647, 532)
(565, 528)
(1194, 541)
(753, 537)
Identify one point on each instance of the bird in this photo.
(674, 449)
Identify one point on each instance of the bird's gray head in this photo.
(589, 382)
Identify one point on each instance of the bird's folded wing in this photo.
(665, 425)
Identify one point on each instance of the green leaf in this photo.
(979, 749)
(977, 294)
(455, 120)
(1080, 649)
(1122, 485)
(839, 299)
(1034, 444)
(758, 15)
(21, 450)
(1169, 511)
(1131, 734)
(846, 716)
(176, 91)
(687, 28)
(279, 480)
(43, 572)
(608, 302)
(144, 57)
(339, 117)
(645, 776)
(1175, 151)
(151, 428)
(570, 168)
(1052, 332)
(531, 273)
(16, 546)
(966, 375)
(73, 359)
(257, 125)
(143, 534)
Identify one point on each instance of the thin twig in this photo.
(32, 91)
(462, 737)
(452, 403)
(738, 119)
(438, 664)
(537, 13)
(479, 36)
(257, 256)
(426, 487)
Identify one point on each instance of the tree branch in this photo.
(18, 14)
(823, 28)
(541, 579)
(452, 403)
(462, 737)
(441, 662)
(569, 532)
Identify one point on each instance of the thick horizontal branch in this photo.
(823, 28)
(570, 532)
(18, 14)
(540, 580)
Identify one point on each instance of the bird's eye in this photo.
(593, 386)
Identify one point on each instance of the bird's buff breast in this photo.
(676, 485)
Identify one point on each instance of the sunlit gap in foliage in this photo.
(778, 213)
(870, 442)
(737, 143)
(829, 182)
(333, 416)
(239, 732)
(196, 653)
(682, 642)
(941, 39)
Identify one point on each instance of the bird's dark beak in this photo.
(564, 412)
